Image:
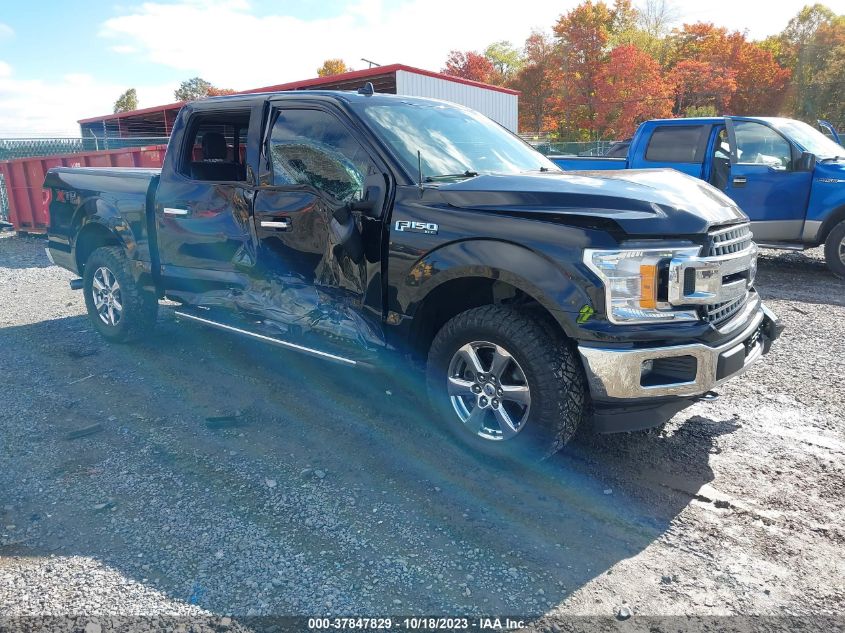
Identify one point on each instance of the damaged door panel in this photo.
(312, 270)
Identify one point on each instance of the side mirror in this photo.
(372, 203)
(807, 162)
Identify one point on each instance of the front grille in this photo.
(733, 239)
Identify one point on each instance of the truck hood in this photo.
(653, 202)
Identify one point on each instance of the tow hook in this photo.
(710, 396)
(76, 284)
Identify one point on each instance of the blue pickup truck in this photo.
(787, 176)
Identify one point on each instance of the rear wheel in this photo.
(118, 307)
(834, 250)
(504, 382)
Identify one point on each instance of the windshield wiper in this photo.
(467, 174)
(831, 159)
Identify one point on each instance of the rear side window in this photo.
(216, 148)
(676, 144)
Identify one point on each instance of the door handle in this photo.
(740, 181)
(275, 224)
(173, 212)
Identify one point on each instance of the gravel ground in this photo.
(197, 473)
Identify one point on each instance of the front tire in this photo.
(505, 382)
(834, 250)
(118, 307)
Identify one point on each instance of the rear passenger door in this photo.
(204, 206)
(323, 279)
(681, 147)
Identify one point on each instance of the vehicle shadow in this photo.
(251, 481)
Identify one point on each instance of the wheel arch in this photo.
(99, 224)
(832, 220)
(443, 284)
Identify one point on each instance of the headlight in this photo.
(635, 283)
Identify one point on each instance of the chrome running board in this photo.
(267, 339)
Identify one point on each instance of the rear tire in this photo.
(118, 307)
(834, 250)
(529, 368)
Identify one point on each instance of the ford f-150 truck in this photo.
(788, 177)
(363, 228)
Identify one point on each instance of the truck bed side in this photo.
(93, 207)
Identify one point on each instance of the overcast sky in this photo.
(62, 61)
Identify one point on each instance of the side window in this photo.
(216, 148)
(676, 144)
(758, 144)
(312, 147)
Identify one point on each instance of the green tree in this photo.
(192, 89)
(506, 59)
(127, 101)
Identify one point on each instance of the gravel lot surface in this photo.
(198, 473)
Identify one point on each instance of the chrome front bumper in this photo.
(619, 373)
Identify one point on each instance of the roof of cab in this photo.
(347, 96)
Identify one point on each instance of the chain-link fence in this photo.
(12, 148)
(4, 200)
(573, 148)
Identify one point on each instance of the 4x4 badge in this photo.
(585, 313)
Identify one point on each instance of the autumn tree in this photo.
(704, 41)
(332, 67)
(538, 82)
(583, 35)
(630, 89)
(760, 82)
(219, 92)
(469, 65)
(701, 84)
(127, 101)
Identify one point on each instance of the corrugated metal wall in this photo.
(499, 106)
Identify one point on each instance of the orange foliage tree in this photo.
(332, 67)
(219, 92)
(760, 82)
(630, 89)
(597, 75)
(582, 34)
(538, 82)
(700, 83)
(469, 65)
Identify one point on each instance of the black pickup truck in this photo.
(361, 228)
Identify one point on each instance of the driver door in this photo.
(764, 183)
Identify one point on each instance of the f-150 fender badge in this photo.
(429, 228)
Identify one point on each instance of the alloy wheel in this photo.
(488, 390)
(107, 297)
